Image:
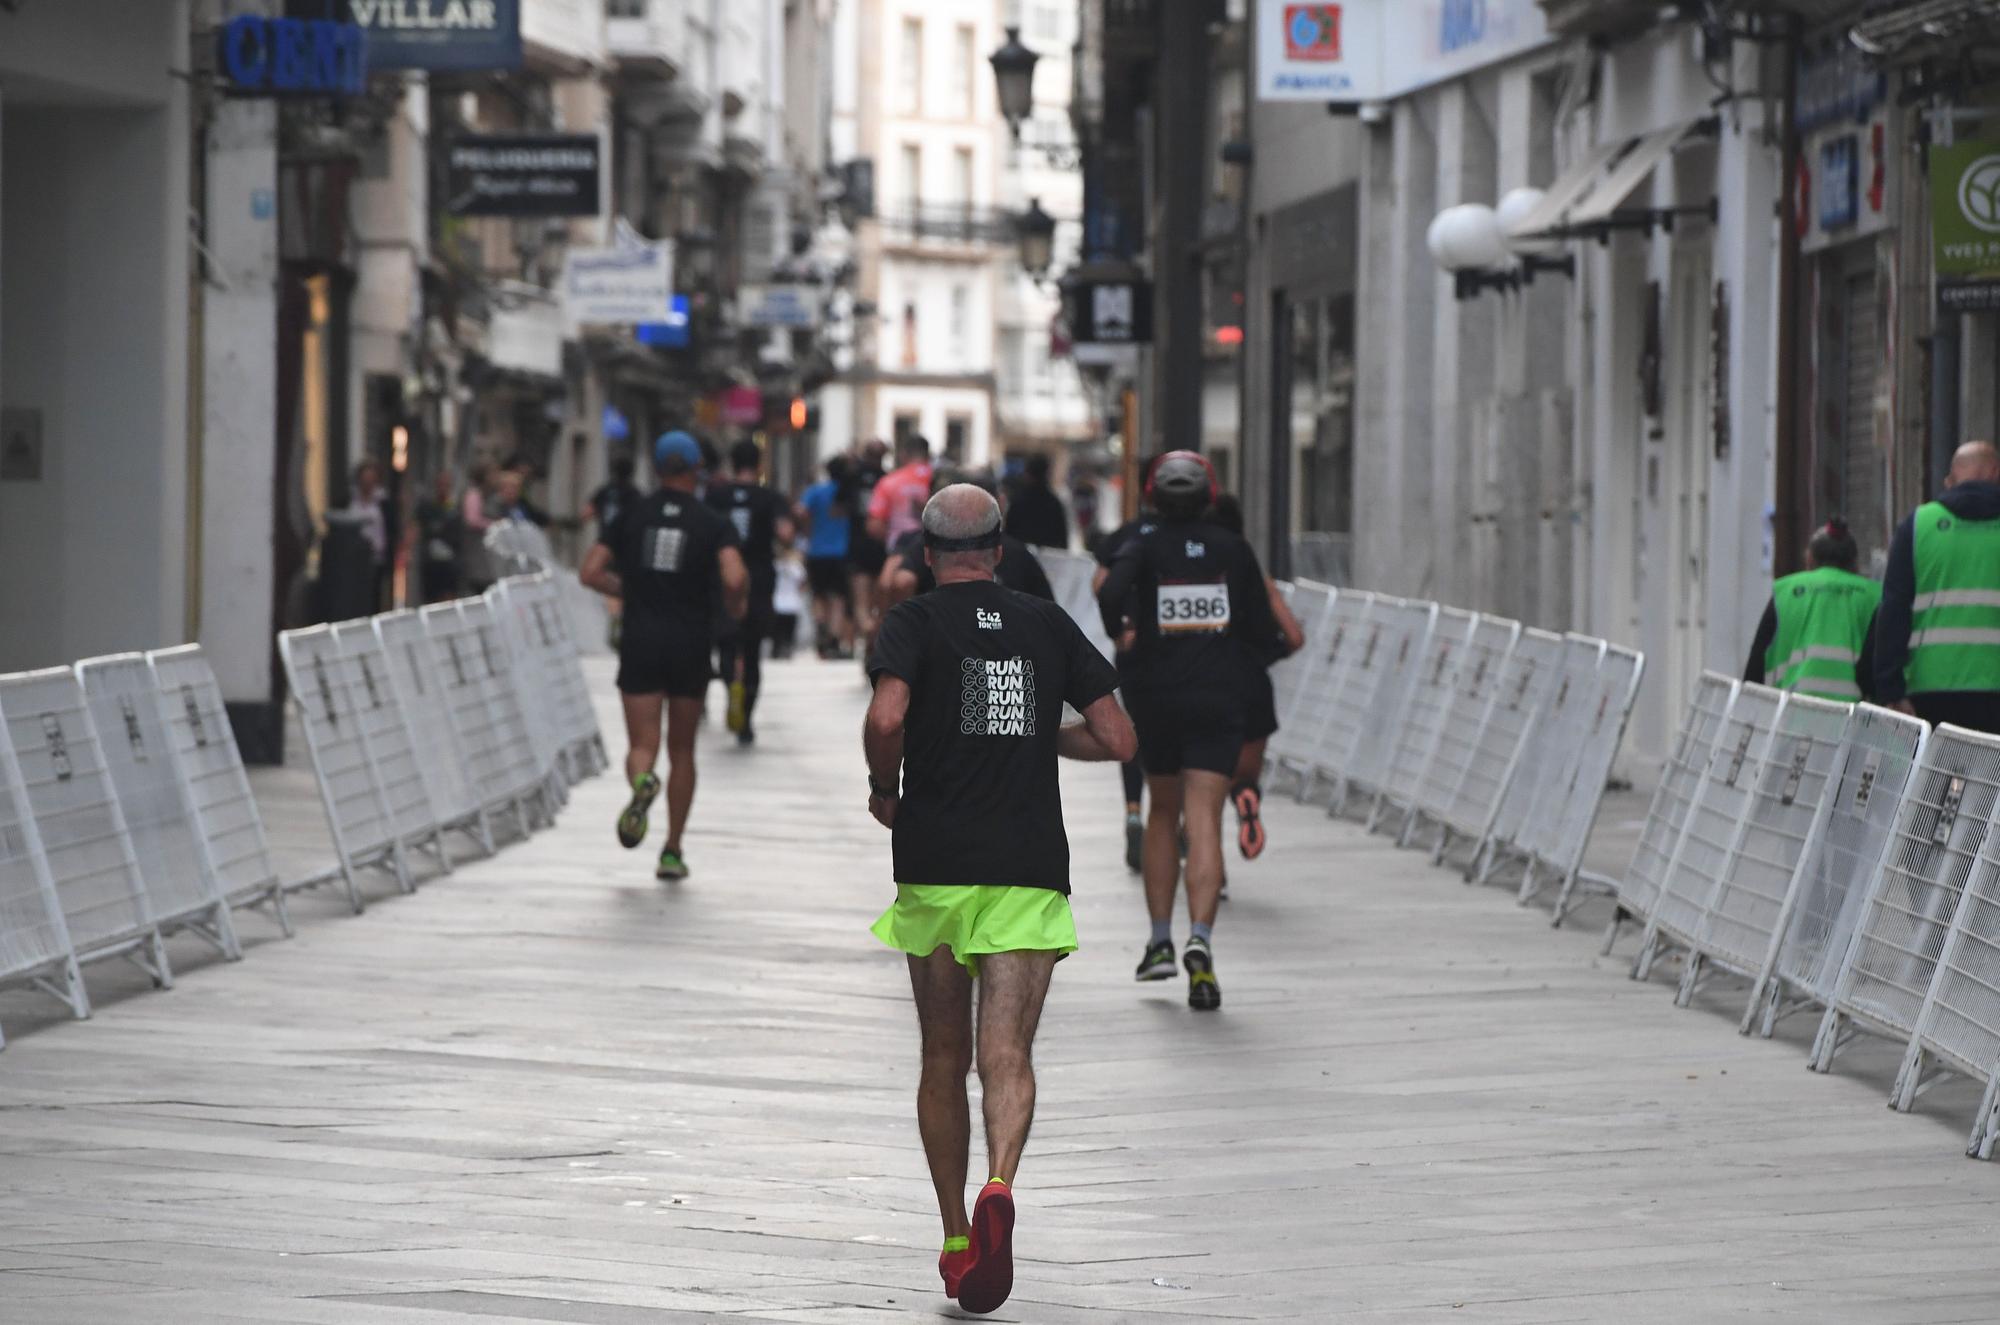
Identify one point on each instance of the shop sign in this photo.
(540, 175)
(621, 286)
(742, 406)
(454, 35)
(1376, 50)
(292, 57)
(1110, 312)
(793, 306)
(1847, 181)
(1965, 224)
(671, 332)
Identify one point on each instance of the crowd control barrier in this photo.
(127, 816)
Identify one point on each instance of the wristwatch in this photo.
(877, 789)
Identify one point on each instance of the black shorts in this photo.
(1177, 733)
(828, 577)
(1260, 707)
(865, 555)
(653, 661)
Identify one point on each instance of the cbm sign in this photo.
(293, 57)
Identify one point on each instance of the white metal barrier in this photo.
(1940, 827)
(1599, 732)
(1879, 752)
(517, 766)
(358, 815)
(1294, 677)
(183, 889)
(218, 787)
(419, 680)
(35, 946)
(1478, 808)
(1407, 627)
(1540, 765)
(391, 740)
(528, 680)
(1325, 717)
(1475, 691)
(1412, 740)
(82, 834)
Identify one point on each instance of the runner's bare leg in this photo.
(943, 992)
(1206, 794)
(683, 719)
(1012, 987)
(1162, 862)
(642, 733)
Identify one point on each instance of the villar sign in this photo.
(441, 34)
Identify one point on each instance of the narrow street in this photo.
(549, 1089)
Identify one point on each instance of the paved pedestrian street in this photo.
(549, 1089)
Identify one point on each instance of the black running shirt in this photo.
(1114, 542)
(989, 670)
(753, 511)
(1019, 567)
(667, 547)
(1198, 599)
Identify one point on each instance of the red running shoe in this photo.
(952, 1266)
(1249, 803)
(990, 1278)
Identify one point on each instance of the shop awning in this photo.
(1589, 202)
(1569, 188)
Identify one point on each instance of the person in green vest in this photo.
(1816, 632)
(1937, 634)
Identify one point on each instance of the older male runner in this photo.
(962, 740)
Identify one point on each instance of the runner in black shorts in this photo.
(1260, 701)
(761, 520)
(677, 566)
(865, 553)
(1189, 602)
(1132, 772)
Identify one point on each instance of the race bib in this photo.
(1192, 609)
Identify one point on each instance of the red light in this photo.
(1229, 335)
(798, 413)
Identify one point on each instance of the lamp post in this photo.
(1035, 232)
(1014, 75)
(1476, 244)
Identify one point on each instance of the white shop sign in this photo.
(620, 286)
(1377, 50)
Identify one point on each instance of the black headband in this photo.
(976, 543)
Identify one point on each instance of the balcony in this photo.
(645, 37)
(951, 224)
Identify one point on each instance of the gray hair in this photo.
(961, 511)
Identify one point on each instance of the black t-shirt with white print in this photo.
(989, 670)
(753, 511)
(667, 549)
(1199, 603)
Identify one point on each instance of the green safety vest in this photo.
(1955, 618)
(1823, 620)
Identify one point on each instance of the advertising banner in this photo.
(1377, 50)
(512, 175)
(1965, 224)
(795, 306)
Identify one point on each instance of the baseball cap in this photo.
(677, 447)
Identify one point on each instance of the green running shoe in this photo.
(672, 867)
(1135, 843)
(1157, 964)
(1204, 994)
(632, 822)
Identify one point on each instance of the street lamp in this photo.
(1014, 73)
(1035, 232)
(1475, 243)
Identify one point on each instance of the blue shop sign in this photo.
(293, 57)
(462, 36)
(671, 334)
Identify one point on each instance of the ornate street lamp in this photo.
(1035, 232)
(1014, 73)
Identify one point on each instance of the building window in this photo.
(912, 183)
(961, 324)
(957, 437)
(964, 61)
(905, 427)
(1045, 22)
(910, 67)
(909, 335)
(963, 191)
(1014, 361)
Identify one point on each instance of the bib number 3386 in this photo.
(1189, 609)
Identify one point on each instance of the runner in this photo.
(1133, 773)
(675, 563)
(909, 574)
(827, 513)
(961, 740)
(896, 507)
(1186, 598)
(865, 552)
(761, 520)
(1260, 700)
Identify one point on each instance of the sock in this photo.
(1163, 931)
(991, 1181)
(1200, 931)
(960, 1243)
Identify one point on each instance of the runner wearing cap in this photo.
(1188, 600)
(675, 563)
(962, 739)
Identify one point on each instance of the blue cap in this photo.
(679, 446)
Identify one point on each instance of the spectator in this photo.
(475, 515)
(437, 535)
(1036, 514)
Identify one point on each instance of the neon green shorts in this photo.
(971, 920)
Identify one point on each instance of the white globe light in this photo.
(1468, 238)
(1515, 208)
